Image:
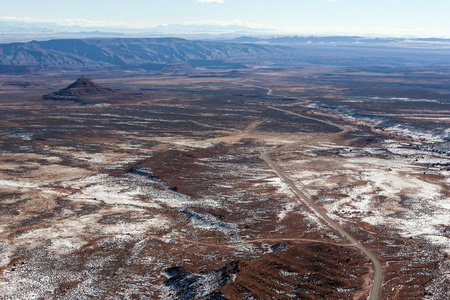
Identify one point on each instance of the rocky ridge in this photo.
(126, 53)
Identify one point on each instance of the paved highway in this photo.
(378, 270)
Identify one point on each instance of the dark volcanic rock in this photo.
(81, 91)
(186, 285)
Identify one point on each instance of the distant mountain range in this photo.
(28, 27)
(156, 54)
(12, 30)
(33, 27)
(342, 40)
(170, 54)
(207, 29)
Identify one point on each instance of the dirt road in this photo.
(378, 270)
(377, 265)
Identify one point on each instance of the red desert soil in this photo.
(289, 271)
(307, 271)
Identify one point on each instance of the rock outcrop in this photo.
(83, 91)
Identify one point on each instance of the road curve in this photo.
(378, 270)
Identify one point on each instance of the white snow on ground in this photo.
(283, 189)
(314, 219)
(210, 223)
(443, 203)
(281, 186)
(388, 183)
(412, 205)
(413, 224)
(415, 133)
(134, 190)
(104, 188)
(125, 161)
(246, 248)
(290, 206)
(68, 228)
(67, 236)
(64, 246)
(7, 249)
(149, 224)
(110, 190)
(94, 158)
(28, 156)
(186, 142)
(18, 184)
(427, 208)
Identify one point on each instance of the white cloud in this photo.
(64, 22)
(16, 19)
(209, 1)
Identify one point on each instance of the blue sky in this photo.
(364, 17)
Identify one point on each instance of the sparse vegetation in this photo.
(165, 195)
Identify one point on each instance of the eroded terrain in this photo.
(164, 195)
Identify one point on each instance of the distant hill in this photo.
(16, 26)
(155, 53)
(85, 91)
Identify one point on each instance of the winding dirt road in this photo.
(378, 270)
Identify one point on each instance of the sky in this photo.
(363, 17)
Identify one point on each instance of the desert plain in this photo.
(161, 190)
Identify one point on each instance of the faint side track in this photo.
(188, 241)
(235, 137)
(378, 269)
